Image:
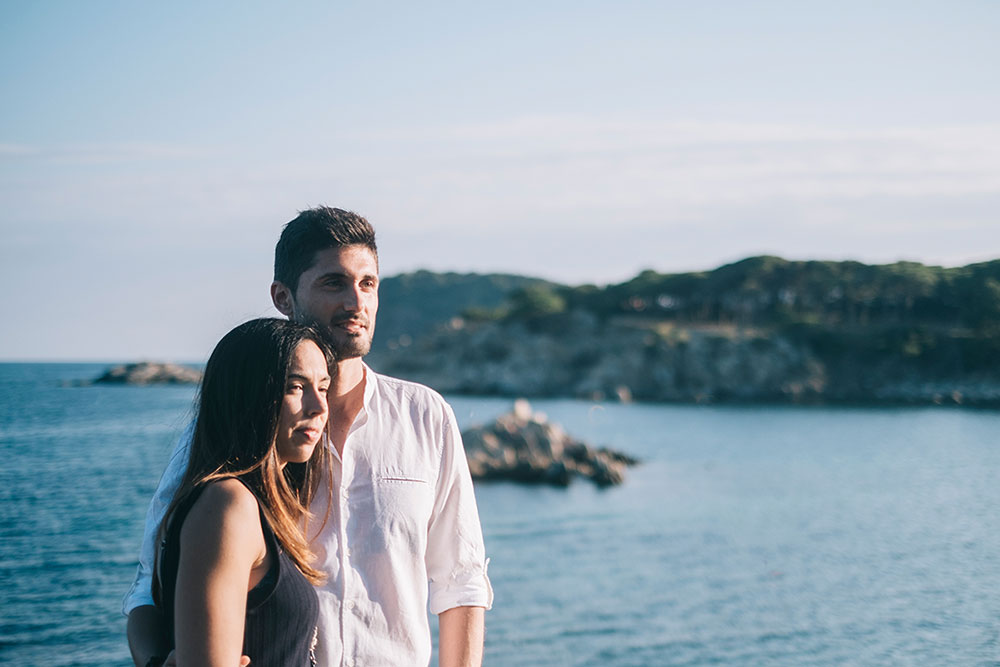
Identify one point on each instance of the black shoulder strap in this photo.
(168, 559)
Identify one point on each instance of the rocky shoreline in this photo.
(621, 360)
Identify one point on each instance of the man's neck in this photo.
(346, 398)
(350, 374)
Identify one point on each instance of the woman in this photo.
(233, 575)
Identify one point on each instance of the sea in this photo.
(747, 535)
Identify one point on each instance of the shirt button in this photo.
(344, 493)
(349, 662)
(349, 604)
(347, 552)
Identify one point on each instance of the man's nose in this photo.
(352, 299)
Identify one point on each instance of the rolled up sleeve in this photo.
(456, 556)
(140, 593)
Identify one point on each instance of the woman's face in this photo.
(303, 410)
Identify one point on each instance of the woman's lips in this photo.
(311, 432)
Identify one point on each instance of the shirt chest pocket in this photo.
(402, 506)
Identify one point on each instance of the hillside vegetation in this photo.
(763, 328)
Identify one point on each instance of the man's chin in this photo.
(350, 348)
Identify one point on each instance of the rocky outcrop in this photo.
(147, 372)
(524, 446)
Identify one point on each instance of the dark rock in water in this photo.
(523, 446)
(147, 372)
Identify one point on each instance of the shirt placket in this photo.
(343, 498)
(349, 594)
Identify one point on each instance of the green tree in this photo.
(535, 301)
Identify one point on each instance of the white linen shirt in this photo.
(403, 530)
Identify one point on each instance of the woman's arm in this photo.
(221, 542)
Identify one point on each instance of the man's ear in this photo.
(282, 299)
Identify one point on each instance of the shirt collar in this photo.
(370, 381)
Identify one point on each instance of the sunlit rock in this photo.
(147, 372)
(524, 446)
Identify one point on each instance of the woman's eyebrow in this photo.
(300, 376)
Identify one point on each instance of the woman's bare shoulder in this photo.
(228, 492)
(225, 508)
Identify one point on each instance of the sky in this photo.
(151, 152)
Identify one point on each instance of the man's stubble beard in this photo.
(354, 346)
(348, 347)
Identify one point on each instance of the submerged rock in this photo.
(524, 446)
(147, 372)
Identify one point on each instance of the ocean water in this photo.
(748, 535)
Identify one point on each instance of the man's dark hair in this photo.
(314, 230)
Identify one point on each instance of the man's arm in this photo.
(145, 628)
(460, 591)
(145, 634)
(460, 642)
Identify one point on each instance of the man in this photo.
(403, 529)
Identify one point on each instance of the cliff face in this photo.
(576, 355)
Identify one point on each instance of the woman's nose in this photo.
(315, 402)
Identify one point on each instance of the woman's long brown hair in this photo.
(235, 429)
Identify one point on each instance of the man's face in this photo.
(338, 295)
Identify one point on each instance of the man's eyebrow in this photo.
(331, 274)
(341, 275)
